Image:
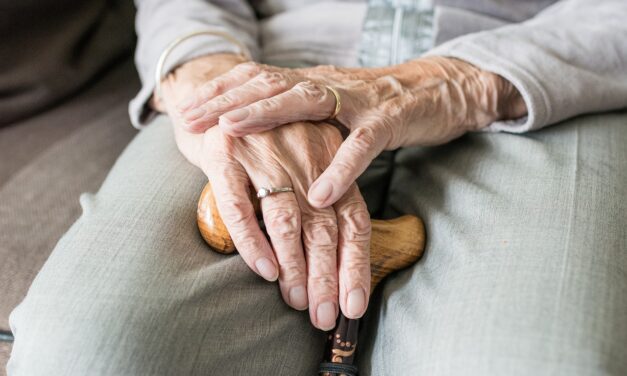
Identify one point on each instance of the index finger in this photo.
(353, 253)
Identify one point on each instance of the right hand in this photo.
(319, 255)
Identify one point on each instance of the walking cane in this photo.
(395, 244)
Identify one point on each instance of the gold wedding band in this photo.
(338, 102)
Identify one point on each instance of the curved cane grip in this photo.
(395, 244)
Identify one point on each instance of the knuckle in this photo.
(197, 127)
(311, 92)
(283, 224)
(291, 270)
(249, 68)
(363, 138)
(233, 130)
(218, 85)
(225, 101)
(324, 282)
(390, 83)
(212, 87)
(321, 233)
(273, 80)
(321, 220)
(358, 225)
(237, 214)
(268, 105)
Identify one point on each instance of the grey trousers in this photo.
(525, 271)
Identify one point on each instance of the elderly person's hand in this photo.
(426, 101)
(320, 256)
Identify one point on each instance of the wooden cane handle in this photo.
(395, 244)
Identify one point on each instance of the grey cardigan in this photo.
(566, 58)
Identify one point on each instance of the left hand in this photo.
(426, 101)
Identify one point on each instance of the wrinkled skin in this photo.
(426, 101)
(320, 256)
(304, 239)
(319, 235)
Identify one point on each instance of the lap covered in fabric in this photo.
(524, 271)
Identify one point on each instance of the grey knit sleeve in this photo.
(570, 59)
(160, 22)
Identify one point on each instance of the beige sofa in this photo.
(47, 161)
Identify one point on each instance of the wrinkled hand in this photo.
(319, 255)
(423, 102)
(316, 250)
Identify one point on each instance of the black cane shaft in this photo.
(339, 352)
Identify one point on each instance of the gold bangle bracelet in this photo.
(168, 50)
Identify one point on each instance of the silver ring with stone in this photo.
(265, 192)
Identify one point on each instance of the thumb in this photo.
(352, 158)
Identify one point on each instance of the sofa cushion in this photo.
(47, 162)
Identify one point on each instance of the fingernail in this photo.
(326, 315)
(186, 104)
(298, 297)
(194, 114)
(356, 302)
(237, 115)
(320, 192)
(266, 268)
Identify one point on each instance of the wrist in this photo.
(497, 99)
(511, 103)
(482, 97)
